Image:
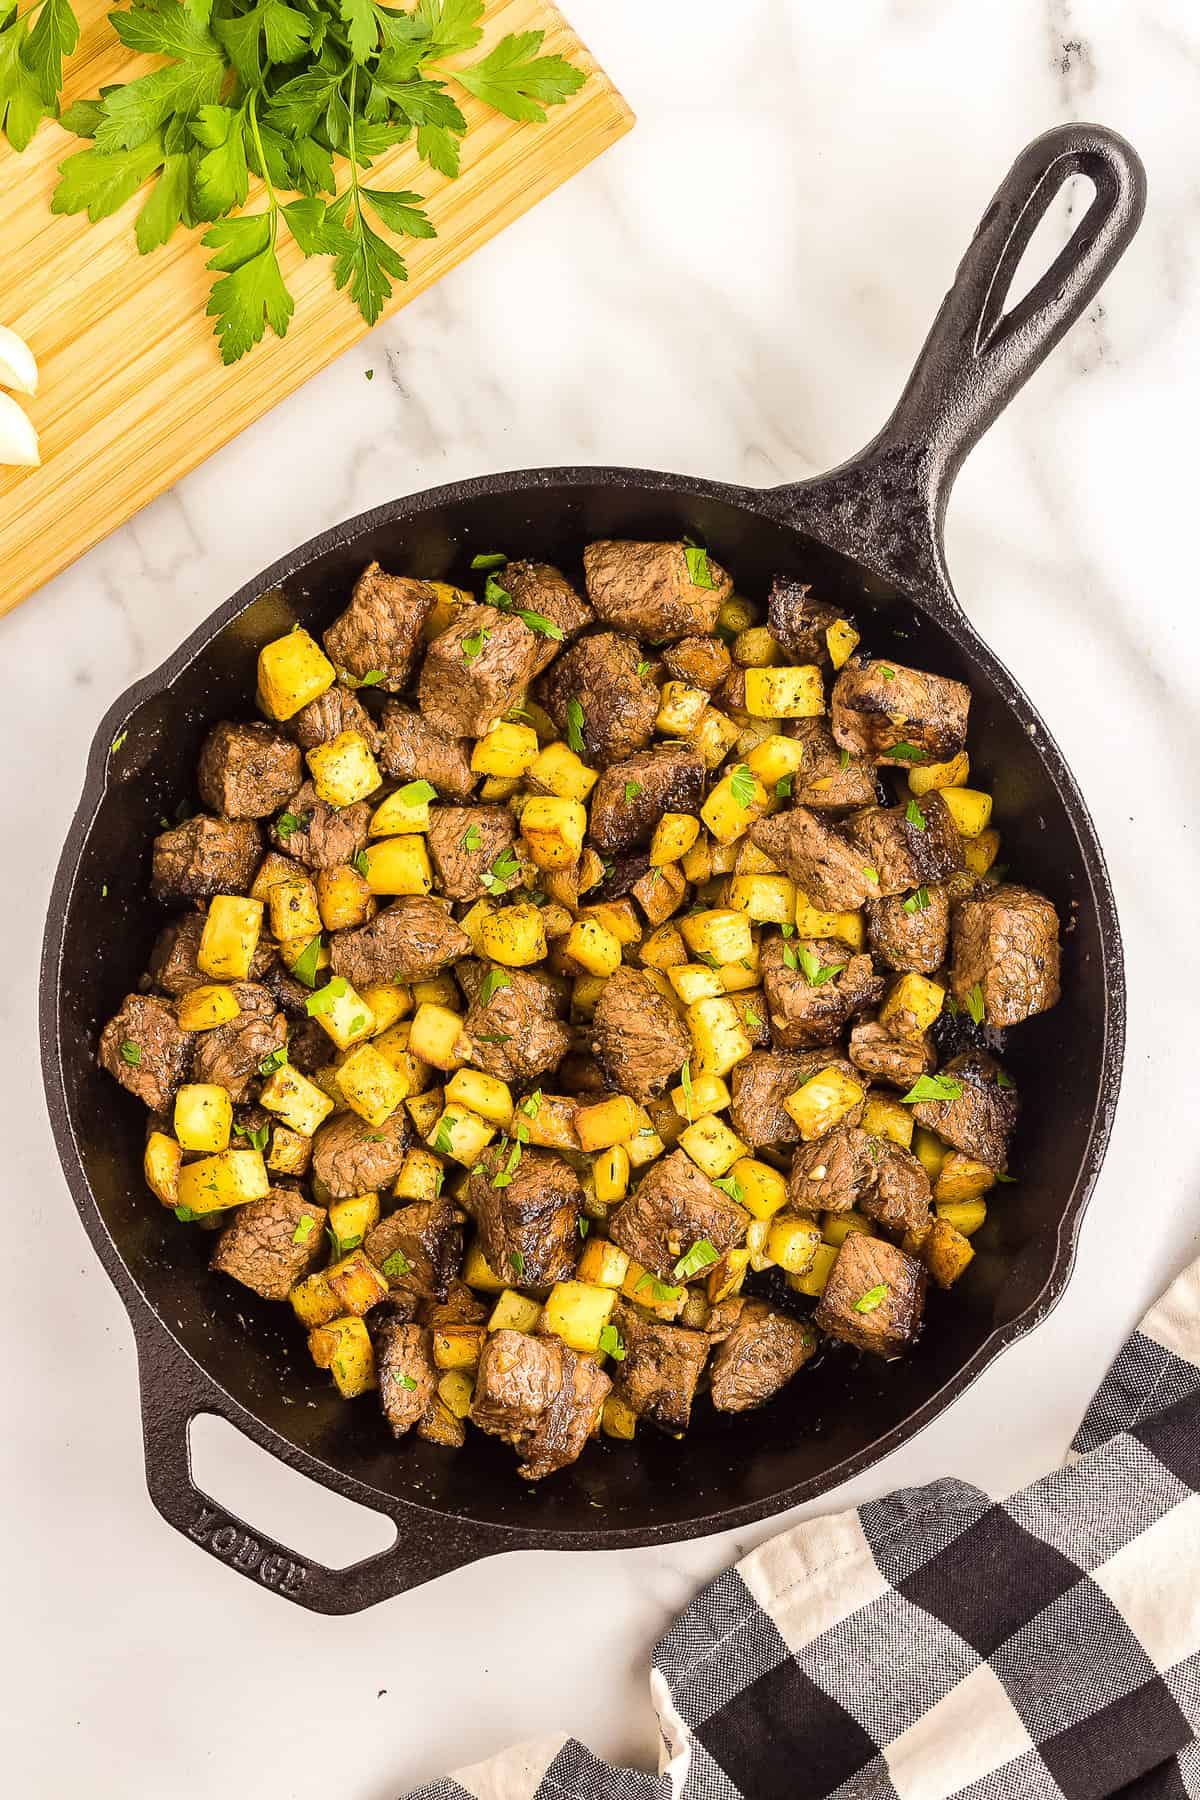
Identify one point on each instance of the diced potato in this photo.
(577, 1312)
(602, 1263)
(696, 863)
(664, 949)
(295, 914)
(711, 1145)
(389, 1002)
(720, 933)
(314, 1301)
(326, 1080)
(343, 770)
(436, 1035)
(592, 948)
(161, 1163)
(203, 1116)
(556, 920)
(298, 1101)
(290, 1152)
(812, 1282)
(514, 936)
(350, 1220)
(753, 861)
(763, 1189)
(740, 977)
(230, 1178)
(617, 1419)
(394, 1044)
(230, 937)
(551, 1122)
(696, 1308)
(344, 898)
(959, 1178)
(887, 1118)
(923, 778)
(357, 1283)
(341, 1012)
(718, 1035)
(645, 1146)
(271, 869)
(757, 648)
(812, 923)
(487, 1095)
(966, 1216)
(610, 1171)
(929, 1151)
(507, 749)
(373, 1086)
(824, 1098)
(420, 1176)
(946, 1253)
(513, 1311)
(737, 801)
(445, 609)
(553, 827)
(912, 1004)
(726, 1276)
(207, 1006)
(658, 1297)
(559, 771)
(478, 1273)
(405, 811)
(617, 917)
(680, 709)
(436, 990)
(461, 1134)
(458, 1346)
(708, 1094)
(767, 899)
(792, 1242)
(499, 787)
(735, 615)
(790, 693)
(714, 737)
(970, 809)
(836, 1227)
(292, 670)
(696, 981)
(455, 1390)
(425, 1110)
(344, 1348)
(398, 865)
(562, 885)
(913, 1241)
(606, 1122)
(979, 853)
(659, 892)
(585, 994)
(773, 758)
(841, 640)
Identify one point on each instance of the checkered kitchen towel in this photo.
(938, 1644)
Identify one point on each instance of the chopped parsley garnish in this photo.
(362, 863)
(783, 788)
(497, 878)
(906, 752)
(659, 1290)
(914, 815)
(643, 668)
(888, 674)
(373, 677)
(751, 1017)
(706, 956)
(304, 1229)
(933, 1087)
(274, 1061)
(844, 760)
(697, 564)
(517, 1260)
(872, 1298)
(917, 901)
(975, 1004)
(495, 1037)
(538, 622)
(871, 874)
(632, 790)
(395, 1265)
(443, 1143)
(789, 957)
(702, 1255)
(610, 1341)
(729, 1184)
(1003, 1080)
(285, 824)
(358, 1022)
(184, 1214)
(257, 1138)
(473, 646)
(574, 716)
(472, 838)
(503, 1176)
(305, 966)
(416, 793)
(118, 741)
(685, 1077)
(787, 930)
(531, 1105)
(585, 1225)
(324, 998)
(489, 559)
(493, 981)
(742, 785)
(403, 1380)
(496, 594)
(816, 973)
(131, 1053)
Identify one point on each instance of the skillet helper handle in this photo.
(173, 1393)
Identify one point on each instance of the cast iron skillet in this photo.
(870, 534)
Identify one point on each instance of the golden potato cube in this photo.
(207, 1006)
(767, 899)
(343, 898)
(577, 1312)
(295, 914)
(449, 602)
(887, 1118)
(559, 771)
(436, 990)
(673, 837)
(351, 1219)
(757, 648)
(979, 853)
(606, 1122)
(699, 1095)
(617, 1419)
(753, 861)
(436, 1036)
(499, 787)
(397, 865)
(487, 1095)
(719, 1037)
(461, 1134)
(714, 737)
(823, 1099)
(680, 709)
(755, 1241)
(455, 1389)
(344, 1348)
(203, 1116)
(514, 1311)
(696, 981)
(812, 1281)
(554, 828)
(356, 1281)
(659, 893)
(230, 1178)
(659, 1297)
(946, 1253)
(602, 1263)
(292, 670)
(290, 1151)
(792, 1242)
(478, 1273)
(458, 1346)
(373, 1086)
(737, 801)
(697, 863)
(425, 1109)
(556, 920)
(585, 992)
(420, 1177)
(836, 1227)
(593, 948)
(790, 693)
(740, 977)
(341, 1012)
(404, 812)
(959, 1178)
(711, 1145)
(230, 937)
(645, 1146)
(508, 749)
(923, 778)
(618, 918)
(763, 1190)
(309, 954)
(326, 1080)
(514, 936)
(271, 869)
(726, 1276)
(970, 809)
(610, 1171)
(664, 949)
(472, 923)
(912, 1004)
(736, 615)
(775, 758)
(298, 1101)
(161, 1163)
(551, 1122)
(720, 933)
(390, 1002)
(929, 1151)
(343, 770)
(314, 1301)
(841, 640)
(966, 1216)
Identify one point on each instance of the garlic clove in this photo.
(18, 439)
(18, 369)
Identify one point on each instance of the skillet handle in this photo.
(173, 1393)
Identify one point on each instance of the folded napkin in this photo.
(937, 1643)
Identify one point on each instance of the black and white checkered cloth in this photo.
(938, 1643)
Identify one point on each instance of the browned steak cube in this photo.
(205, 856)
(617, 707)
(661, 1366)
(247, 771)
(411, 940)
(798, 621)
(751, 1007)
(648, 590)
(762, 1352)
(476, 670)
(639, 1040)
(882, 704)
(900, 1198)
(462, 1306)
(898, 1061)
(910, 932)
(763, 1082)
(701, 662)
(352, 1157)
(419, 1248)
(464, 842)
(309, 1047)
(631, 796)
(675, 1207)
(874, 1297)
(380, 631)
(331, 713)
(807, 1005)
(528, 1225)
(230, 1055)
(538, 1396)
(1005, 943)
(405, 1372)
(516, 1033)
(319, 835)
(829, 778)
(413, 751)
(834, 1172)
(173, 966)
(545, 592)
(978, 1119)
(907, 845)
(269, 1245)
(824, 865)
(143, 1047)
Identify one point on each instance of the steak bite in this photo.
(829, 778)
(900, 1196)
(907, 845)
(639, 1042)
(980, 1118)
(753, 1361)
(205, 856)
(515, 1032)
(662, 1364)
(353, 1157)
(380, 631)
(405, 1371)
(675, 1207)
(874, 1296)
(229, 1055)
(475, 670)
(701, 662)
(528, 1225)
(143, 1047)
(247, 771)
(540, 1397)
(412, 750)
(331, 713)
(542, 589)
(1005, 943)
(618, 705)
(799, 622)
(807, 1004)
(173, 966)
(648, 590)
(762, 1083)
(878, 705)
(411, 940)
(268, 1247)
(419, 1249)
(824, 865)
(909, 932)
(319, 835)
(631, 796)
(834, 1172)
(464, 842)
(898, 1061)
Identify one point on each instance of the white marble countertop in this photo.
(737, 290)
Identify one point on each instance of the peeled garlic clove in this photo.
(18, 370)
(18, 439)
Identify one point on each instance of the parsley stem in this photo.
(272, 202)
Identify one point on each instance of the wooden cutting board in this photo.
(133, 393)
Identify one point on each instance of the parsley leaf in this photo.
(362, 863)
(285, 824)
(751, 1018)
(743, 786)
(395, 1265)
(131, 1054)
(489, 559)
(403, 1380)
(472, 838)
(871, 874)
(250, 294)
(729, 1184)
(443, 1143)
(610, 1341)
(496, 594)
(502, 871)
(472, 646)
(632, 790)
(906, 752)
(1003, 1080)
(493, 981)
(917, 901)
(914, 815)
(304, 1229)
(844, 760)
(783, 788)
(643, 668)
(685, 1076)
(275, 1060)
(697, 565)
(305, 966)
(416, 793)
(888, 674)
(517, 1259)
(323, 999)
(816, 973)
(790, 959)
(538, 622)
(874, 1297)
(574, 716)
(975, 1004)
(702, 1255)
(933, 1087)
(517, 81)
